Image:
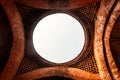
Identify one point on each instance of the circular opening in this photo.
(58, 38)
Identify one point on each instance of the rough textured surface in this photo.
(33, 61)
(17, 51)
(90, 10)
(112, 20)
(57, 4)
(73, 73)
(98, 42)
(32, 67)
(88, 65)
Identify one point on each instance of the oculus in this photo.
(58, 38)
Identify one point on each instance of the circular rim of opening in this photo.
(79, 56)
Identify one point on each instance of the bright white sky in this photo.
(58, 38)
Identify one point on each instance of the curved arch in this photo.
(98, 42)
(57, 4)
(58, 71)
(113, 18)
(17, 51)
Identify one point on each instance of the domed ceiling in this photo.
(98, 60)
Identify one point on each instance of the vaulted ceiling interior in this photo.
(99, 59)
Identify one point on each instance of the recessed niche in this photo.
(58, 38)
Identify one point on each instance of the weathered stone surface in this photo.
(72, 73)
(57, 4)
(112, 20)
(98, 42)
(17, 51)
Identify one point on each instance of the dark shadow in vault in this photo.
(115, 42)
(5, 38)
